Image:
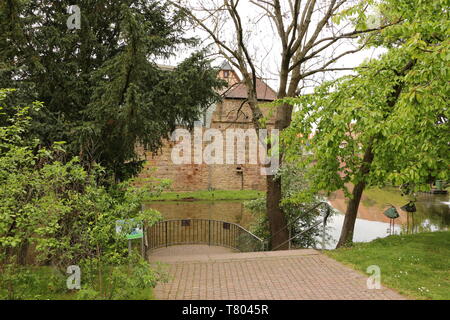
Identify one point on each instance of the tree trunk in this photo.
(22, 253)
(277, 219)
(352, 208)
(350, 216)
(346, 237)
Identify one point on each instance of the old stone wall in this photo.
(229, 114)
(192, 176)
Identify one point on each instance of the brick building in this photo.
(230, 113)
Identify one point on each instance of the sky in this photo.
(265, 47)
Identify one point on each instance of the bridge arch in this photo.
(202, 231)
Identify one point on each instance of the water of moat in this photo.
(433, 214)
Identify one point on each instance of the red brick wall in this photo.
(191, 177)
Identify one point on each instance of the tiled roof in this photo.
(263, 91)
(239, 90)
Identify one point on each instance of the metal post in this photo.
(209, 232)
(143, 237)
(166, 231)
(145, 240)
(407, 222)
(289, 244)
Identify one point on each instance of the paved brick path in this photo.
(187, 250)
(295, 274)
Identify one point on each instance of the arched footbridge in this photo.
(220, 233)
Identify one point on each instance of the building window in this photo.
(226, 74)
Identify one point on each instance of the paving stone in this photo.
(287, 275)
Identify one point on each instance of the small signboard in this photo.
(132, 227)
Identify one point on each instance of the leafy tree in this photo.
(54, 210)
(102, 91)
(388, 123)
(308, 37)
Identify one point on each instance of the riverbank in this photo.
(417, 265)
(207, 195)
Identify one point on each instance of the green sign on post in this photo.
(132, 228)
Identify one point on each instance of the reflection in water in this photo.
(365, 230)
(433, 213)
(228, 211)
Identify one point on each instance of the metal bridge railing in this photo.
(202, 231)
(289, 226)
(220, 233)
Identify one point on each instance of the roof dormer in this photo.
(228, 74)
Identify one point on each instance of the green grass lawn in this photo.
(381, 196)
(221, 195)
(417, 266)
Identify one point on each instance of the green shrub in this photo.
(21, 283)
(56, 212)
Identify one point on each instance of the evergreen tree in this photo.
(102, 90)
